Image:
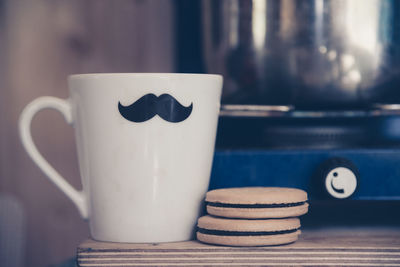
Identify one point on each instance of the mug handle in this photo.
(64, 107)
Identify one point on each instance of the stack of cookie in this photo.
(252, 216)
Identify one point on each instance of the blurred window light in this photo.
(259, 21)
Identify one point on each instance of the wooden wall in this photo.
(41, 43)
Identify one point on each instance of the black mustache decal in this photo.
(146, 107)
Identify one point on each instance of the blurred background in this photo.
(304, 81)
(41, 43)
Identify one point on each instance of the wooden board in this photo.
(323, 247)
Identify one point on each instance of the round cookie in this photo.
(257, 202)
(231, 232)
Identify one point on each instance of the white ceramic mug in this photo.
(145, 146)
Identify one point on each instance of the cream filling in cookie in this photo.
(255, 206)
(244, 233)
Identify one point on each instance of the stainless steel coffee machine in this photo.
(309, 54)
(311, 94)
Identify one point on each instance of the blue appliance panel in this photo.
(379, 170)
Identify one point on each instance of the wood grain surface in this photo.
(323, 247)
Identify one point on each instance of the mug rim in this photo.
(159, 74)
